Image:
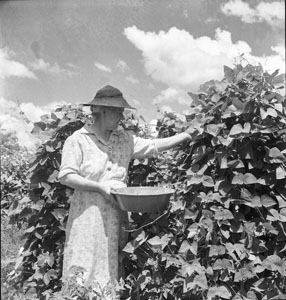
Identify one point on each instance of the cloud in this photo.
(166, 108)
(280, 50)
(179, 60)
(275, 61)
(18, 119)
(13, 122)
(271, 12)
(172, 96)
(11, 67)
(102, 67)
(31, 111)
(136, 103)
(122, 65)
(131, 79)
(34, 112)
(43, 66)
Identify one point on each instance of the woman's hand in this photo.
(190, 130)
(107, 187)
(105, 190)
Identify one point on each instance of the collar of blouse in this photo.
(116, 132)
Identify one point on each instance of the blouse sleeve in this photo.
(71, 157)
(144, 148)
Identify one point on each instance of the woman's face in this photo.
(112, 116)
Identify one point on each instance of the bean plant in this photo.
(223, 234)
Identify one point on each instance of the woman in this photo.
(95, 159)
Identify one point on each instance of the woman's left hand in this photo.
(190, 130)
(113, 185)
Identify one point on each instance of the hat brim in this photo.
(119, 102)
(125, 107)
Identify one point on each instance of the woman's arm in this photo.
(172, 141)
(78, 182)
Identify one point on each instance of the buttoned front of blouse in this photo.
(94, 227)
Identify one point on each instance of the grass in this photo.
(10, 246)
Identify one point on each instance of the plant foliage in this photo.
(223, 235)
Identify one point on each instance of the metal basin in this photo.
(143, 199)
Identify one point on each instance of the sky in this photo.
(54, 52)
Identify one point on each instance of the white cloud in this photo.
(31, 111)
(13, 122)
(172, 96)
(10, 67)
(275, 61)
(122, 65)
(165, 95)
(131, 79)
(136, 103)
(271, 12)
(102, 67)
(179, 60)
(166, 108)
(22, 131)
(8, 106)
(280, 50)
(43, 66)
(34, 112)
(18, 119)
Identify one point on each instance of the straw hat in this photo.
(109, 96)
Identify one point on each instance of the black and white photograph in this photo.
(143, 149)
